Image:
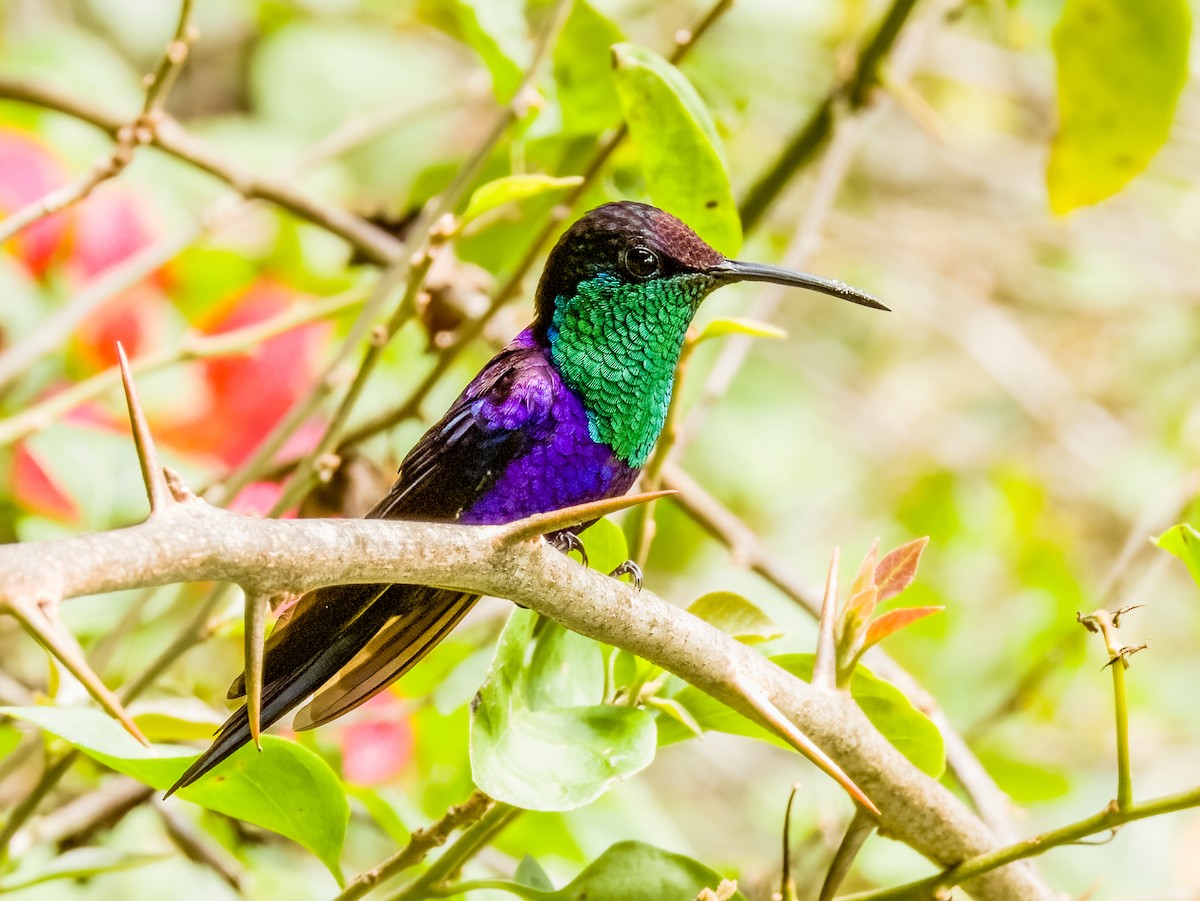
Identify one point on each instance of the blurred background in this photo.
(1029, 403)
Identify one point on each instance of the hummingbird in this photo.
(567, 413)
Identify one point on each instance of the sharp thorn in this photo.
(255, 635)
(62, 645)
(152, 474)
(557, 520)
(825, 664)
(785, 729)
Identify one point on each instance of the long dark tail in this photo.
(385, 630)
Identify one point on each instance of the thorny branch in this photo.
(191, 540)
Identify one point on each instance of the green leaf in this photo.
(629, 871)
(678, 145)
(676, 711)
(495, 29)
(530, 873)
(606, 546)
(381, 811)
(175, 719)
(735, 616)
(1121, 67)
(539, 738)
(1184, 542)
(733, 325)
(911, 732)
(511, 189)
(1025, 781)
(285, 788)
(587, 93)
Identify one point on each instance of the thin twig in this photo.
(128, 137)
(854, 92)
(432, 228)
(1106, 624)
(464, 848)
(1104, 821)
(172, 138)
(159, 82)
(106, 167)
(419, 845)
(858, 831)
(198, 848)
(198, 628)
(76, 822)
(27, 805)
(50, 334)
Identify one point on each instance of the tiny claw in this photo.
(629, 568)
(567, 542)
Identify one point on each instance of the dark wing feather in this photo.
(450, 467)
(492, 423)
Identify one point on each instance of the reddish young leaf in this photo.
(28, 172)
(96, 416)
(35, 490)
(249, 393)
(378, 744)
(861, 606)
(865, 578)
(895, 620)
(257, 499)
(136, 318)
(897, 570)
(111, 225)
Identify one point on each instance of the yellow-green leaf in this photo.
(1184, 542)
(677, 144)
(735, 616)
(512, 188)
(495, 29)
(1121, 67)
(733, 325)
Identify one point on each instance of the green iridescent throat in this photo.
(617, 346)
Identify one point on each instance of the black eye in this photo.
(642, 262)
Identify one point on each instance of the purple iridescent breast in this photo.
(561, 464)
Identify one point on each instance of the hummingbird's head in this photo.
(615, 301)
(634, 249)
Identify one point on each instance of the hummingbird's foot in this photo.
(567, 542)
(631, 569)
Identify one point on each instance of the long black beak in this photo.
(733, 271)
